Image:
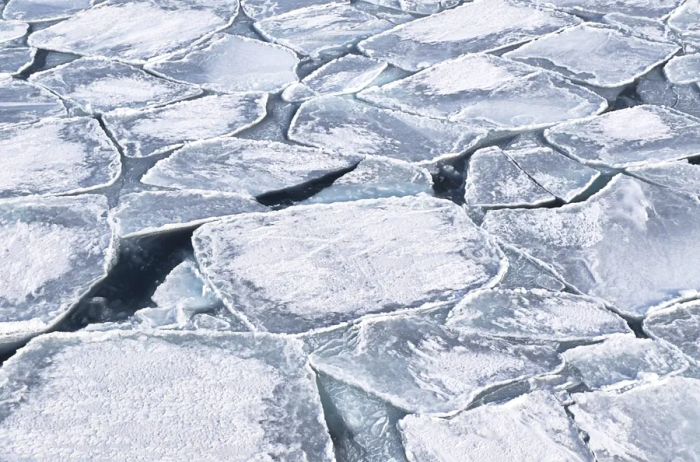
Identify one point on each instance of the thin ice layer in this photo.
(135, 31)
(623, 361)
(54, 251)
(655, 423)
(261, 9)
(41, 10)
(629, 137)
(678, 325)
(376, 177)
(15, 60)
(479, 26)
(99, 85)
(632, 244)
(244, 166)
(421, 367)
(12, 30)
(148, 132)
(597, 55)
(351, 126)
(682, 70)
(154, 212)
(655, 89)
(530, 428)
(485, 89)
(321, 29)
(344, 75)
(56, 156)
(681, 176)
(535, 314)
(23, 102)
(316, 266)
(168, 396)
(495, 181)
(232, 63)
(643, 8)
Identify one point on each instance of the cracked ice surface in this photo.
(23, 102)
(41, 10)
(678, 325)
(641, 8)
(15, 60)
(681, 176)
(12, 30)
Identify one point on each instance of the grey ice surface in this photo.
(41, 10)
(654, 88)
(16, 59)
(678, 325)
(261, 9)
(641, 8)
(23, 102)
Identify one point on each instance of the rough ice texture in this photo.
(623, 361)
(261, 9)
(245, 166)
(681, 176)
(351, 126)
(376, 177)
(678, 325)
(56, 156)
(558, 174)
(184, 289)
(632, 244)
(23, 102)
(232, 63)
(655, 89)
(642, 8)
(655, 423)
(135, 31)
(686, 21)
(495, 181)
(99, 85)
(482, 25)
(54, 251)
(321, 29)
(416, 6)
(41, 10)
(15, 60)
(597, 55)
(12, 30)
(651, 29)
(161, 397)
(532, 428)
(485, 89)
(345, 75)
(629, 137)
(422, 367)
(148, 132)
(524, 273)
(315, 266)
(682, 70)
(154, 212)
(535, 314)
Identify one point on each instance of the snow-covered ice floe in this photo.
(682, 70)
(678, 325)
(23, 102)
(41, 10)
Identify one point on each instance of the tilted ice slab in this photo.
(422, 367)
(54, 250)
(623, 361)
(374, 178)
(154, 212)
(56, 156)
(148, 132)
(682, 70)
(597, 55)
(495, 181)
(245, 166)
(351, 126)
(681, 176)
(632, 244)
(344, 75)
(316, 266)
(23, 102)
(261, 9)
(524, 273)
(15, 60)
(532, 428)
(136, 31)
(232, 63)
(99, 85)
(482, 25)
(41, 10)
(557, 174)
(535, 314)
(686, 21)
(656, 422)
(678, 325)
(642, 8)
(12, 30)
(417, 6)
(161, 397)
(629, 137)
(321, 29)
(485, 89)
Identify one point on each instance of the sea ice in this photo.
(655, 89)
(55, 249)
(261, 9)
(421, 367)
(316, 266)
(244, 166)
(417, 6)
(678, 325)
(478, 26)
(530, 428)
(682, 70)
(629, 137)
(158, 396)
(23, 102)
(686, 21)
(524, 273)
(350, 126)
(42, 10)
(632, 244)
(681, 176)
(185, 290)
(153, 131)
(15, 60)
(12, 30)
(650, 29)
(641, 8)
(99, 85)
(601, 56)
(56, 156)
(232, 63)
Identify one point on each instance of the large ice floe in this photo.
(312, 267)
(38, 10)
(681, 176)
(683, 69)
(55, 251)
(678, 325)
(23, 102)
(686, 21)
(168, 396)
(639, 8)
(650, 227)
(261, 9)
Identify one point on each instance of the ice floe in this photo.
(654, 88)
(524, 273)
(12, 30)
(15, 60)
(686, 21)
(682, 70)
(41, 10)
(417, 6)
(651, 29)
(681, 176)
(678, 325)
(261, 9)
(23, 102)
(641, 8)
